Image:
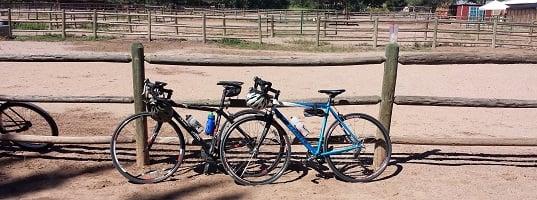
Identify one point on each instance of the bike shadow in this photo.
(194, 165)
(438, 157)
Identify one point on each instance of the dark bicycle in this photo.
(165, 148)
(27, 119)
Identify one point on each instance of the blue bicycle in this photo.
(256, 150)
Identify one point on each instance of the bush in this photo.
(30, 26)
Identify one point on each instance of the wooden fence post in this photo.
(9, 24)
(73, 18)
(478, 30)
(224, 25)
(260, 30)
(204, 27)
(425, 34)
(64, 34)
(337, 18)
(494, 30)
(50, 20)
(326, 17)
(149, 26)
(318, 31)
(95, 26)
(435, 33)
(138, 77)
(375, 32)
(176, 22)
(388, 91)
(530, 34)
(301, 22)
(272, 34)
(129, 21)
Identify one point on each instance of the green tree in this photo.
(393, 4)
(414, 2)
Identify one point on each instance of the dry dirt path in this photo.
(419, 172)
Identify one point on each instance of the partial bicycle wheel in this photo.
(251, 161)
(27, 119)
(164, 153)
(366, 133)
(235, 116)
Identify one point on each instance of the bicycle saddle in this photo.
(332, 93)
(230, 83)
(231, 88)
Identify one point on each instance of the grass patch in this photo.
(240, 44)
(30, 26)
(43, 38)
(58, 38)
(300, 44)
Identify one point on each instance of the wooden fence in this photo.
(321, 27)
(387, 98)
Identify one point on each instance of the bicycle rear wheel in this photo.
(357, 164)
(247, 160)
(165, 154)
(27, 119)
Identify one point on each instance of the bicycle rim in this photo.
(357, 165)
(163, 157)
(247, 165)
(27, 119)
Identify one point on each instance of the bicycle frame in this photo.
(220, 112)
(329, 110)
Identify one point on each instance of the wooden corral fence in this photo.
(387, 99)
(320, 26)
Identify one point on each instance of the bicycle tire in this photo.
(368, 133)
(235, 116)
(267, 173)
(163, 160)
(39, 122)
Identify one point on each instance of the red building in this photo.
(464, 10)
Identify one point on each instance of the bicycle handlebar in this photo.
(157, 90)
(265, 87)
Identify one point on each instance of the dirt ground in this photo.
(416, 172)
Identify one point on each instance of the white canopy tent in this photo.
(494, 5)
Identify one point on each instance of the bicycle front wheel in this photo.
(365, 134)
(250, 158)
(27, 119)
(165, 149)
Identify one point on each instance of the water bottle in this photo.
(210, 125)
(194, 123)
(299, 125)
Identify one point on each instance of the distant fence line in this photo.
(322, 28)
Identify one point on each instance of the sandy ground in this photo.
(417, 172)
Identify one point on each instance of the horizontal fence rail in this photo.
(68, 99)
(348, 100)
(443, 58)
(93, 57)
(464, 102)
(249, 61)
(394, 140)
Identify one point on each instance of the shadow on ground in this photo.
(296, 170)
(45, 180)
(437, 157)
(184, 192)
